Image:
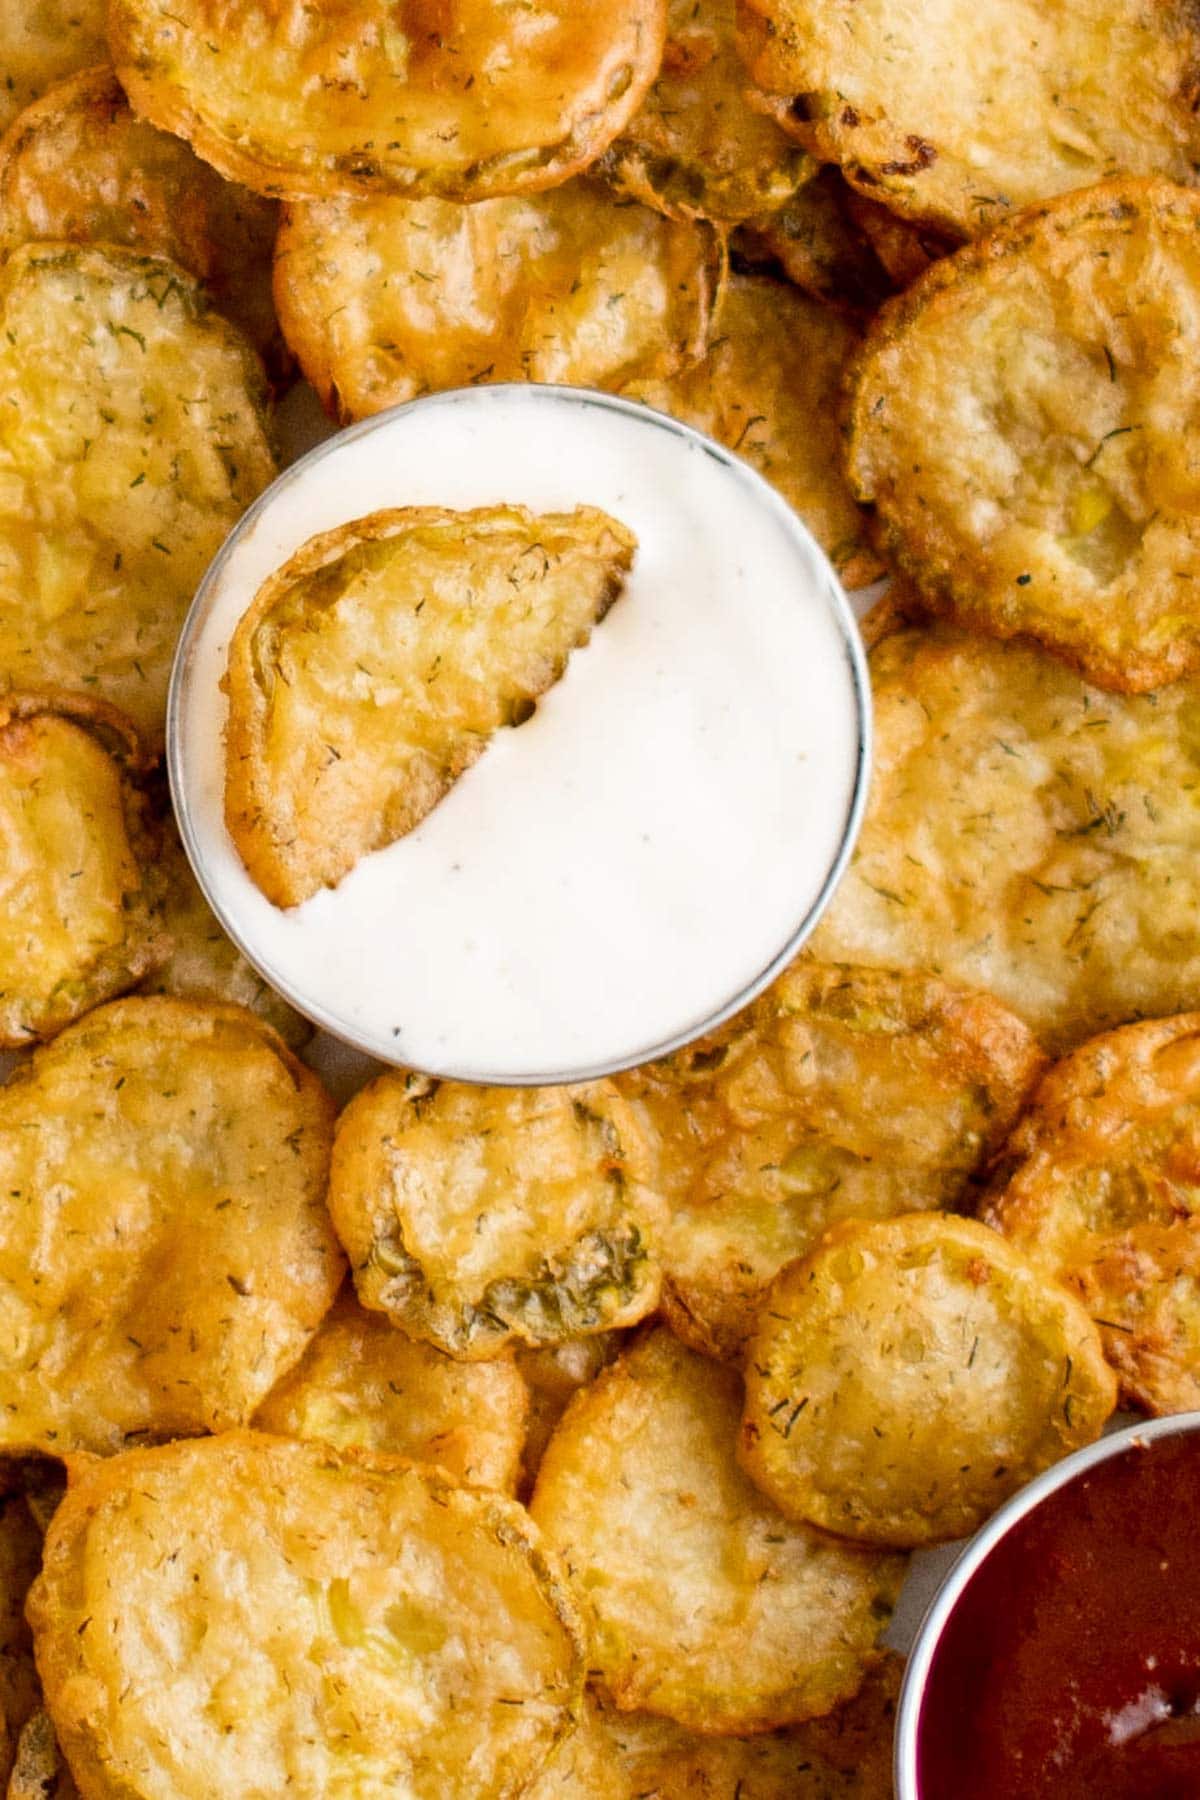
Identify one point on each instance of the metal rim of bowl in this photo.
(830, 594)
(975, 1554)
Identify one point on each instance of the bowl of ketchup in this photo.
(1060, 1659)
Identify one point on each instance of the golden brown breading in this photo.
(371, 670)
(42, 44)
(165, 1253)
(20, 1556)
(553, 1375)
(819, 246)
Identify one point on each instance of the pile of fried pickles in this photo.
(569, 1443)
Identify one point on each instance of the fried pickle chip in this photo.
(1042, 382)
(132, 439)
(463, 101)
(384, 300)
(361, 1384)
(371, 670)
(1027, 835)
(40, 1771)
(78, 893)
(841, 1093)
(707, 1606)
(819, 246)
(904, 249)
(243, 1614)
(585, 1766)
(910, 1374)
(79, 167)
(165, 1253)
(553, 1375)
(696, 148)
(1097, 1186)
(959, 115)
(42, 42)
(479, 1217)
(769, 388)
(20, 1555)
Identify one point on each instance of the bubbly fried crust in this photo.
(959, 115)
(165, 1253)
(910, 1374)
(465, 101)
(20, 1555)
(1097, 1186)
(40, 1771)
(363, 1385)
(134, 437)
(818, 245)
(769, 389)
(382, 301)
(707, 1607)
(696, 148)
(245, 1614)
(371, 670)
(42, 44)
(553, 1375)
(1027, 835)
(477, 1217)
(1020, 421)
(79, 893)
(841, 1093)
(79, 167)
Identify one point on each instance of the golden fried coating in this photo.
(1097, 1186)
(586, 1765)
(1027, 835)
(553, 1375)
(244, 1614)
(384, 300)
(372, 669)
(363, 1385)
(479, 1217)
(42, 42)
(20, 1555)
(79, 167)
(40, 1771)
(910, 1374)
(1021, 420)
(696, 148)
(707, 1606)
(769, 388)
(960, 113)
(841, 1093)
(165, 1253)
(78, 893)
(133, 437)
(819, 246)
(464, 101)
(904, 249)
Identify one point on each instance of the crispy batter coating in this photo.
(363, 1385)
(42, 43)
(707, 1606)
(910, 1374)
(553, 1375)
(165, 1253)
(372, 669)
(696, 148)
(479, 1217)
(769, 389)
(79, 891)
(841, 1093)
(40, 1771)
(819, 246)
(132, 439)
(1097, 1186)
(464, 101)
(903, 248)
(1027, 835)
(586, 1765)
(1021, 421)
(79, 167)
(244, 1614)
(384, 300)
(20, 1555)
(960, 113)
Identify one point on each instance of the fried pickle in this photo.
(42, 42)
(244, 1614)
(707, 1606)
(841, 1093)
(1027, 835)
(553, 1375)
(961, 114)
(40, 1771)
(20, 1555)
(363, 1385)
(78, 899)
(480, 1217)
(382, 301)
(132, 439)
(769, 389)
(371, 670)
(1097, 1186)
(1020, 421)
(818, 245)
(464, 101)
(165, 1253)
(910, 1374)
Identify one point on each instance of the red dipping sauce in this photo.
(1069, 1667)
